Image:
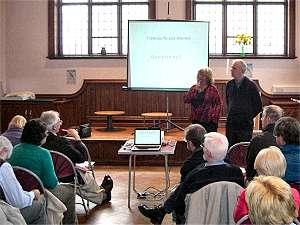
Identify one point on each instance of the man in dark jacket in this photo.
(194, 137)
(243, 104)
(214, 170)
(270, 115)
(70, 146)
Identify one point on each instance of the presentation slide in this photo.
(166, 55)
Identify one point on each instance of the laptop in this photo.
(147, 139)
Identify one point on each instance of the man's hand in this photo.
(37, 194)
(72, 133)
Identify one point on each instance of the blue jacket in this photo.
(292, 156)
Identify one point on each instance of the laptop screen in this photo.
(147, 137)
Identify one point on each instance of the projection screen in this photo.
(166, 55)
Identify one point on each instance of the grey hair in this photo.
(242, 64)
(216, 144)
(274, 112)
(50, 118)
(5, 144)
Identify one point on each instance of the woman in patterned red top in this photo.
(205, 101)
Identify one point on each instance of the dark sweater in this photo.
(191, 162)
(243, 104)
(261, 141)
(73, 149)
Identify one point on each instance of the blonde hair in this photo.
(17, 121)
(207, 73)
(270, 162)
(270, 201)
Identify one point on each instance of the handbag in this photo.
(85, 130)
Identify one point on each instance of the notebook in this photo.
(147, 139)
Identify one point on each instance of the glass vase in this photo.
(243, 51)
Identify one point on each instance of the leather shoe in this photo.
(107, 184)
(156, 215)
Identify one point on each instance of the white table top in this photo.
(167, 148)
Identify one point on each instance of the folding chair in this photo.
(237, 154)
(28, 179)
(64, 167)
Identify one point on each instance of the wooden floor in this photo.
(117, 211)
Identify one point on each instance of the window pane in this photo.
(131, 12)
(105, 21)
(110, 45)
(271, 0)
(239, 21)
(270, 38)
(213, 14)
(134, 0)
(75, 30)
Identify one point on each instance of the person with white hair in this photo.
(32, 204)
(74, 150)
(214, 170)
(243, 104)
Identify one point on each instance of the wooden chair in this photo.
(64, 167)
(237, 154)
(28, 179)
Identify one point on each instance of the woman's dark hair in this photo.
(195, 133)
(34, 132)
(289, 129)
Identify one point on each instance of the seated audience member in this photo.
(75, 150)
(270, 115)
(269, 162)
(270, 201)
(77, 153)
(215, 169)
(287, 133)
(31, 204)
(194, 137)
(15, 129)
(31, 156)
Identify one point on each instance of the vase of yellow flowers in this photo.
(242, 40)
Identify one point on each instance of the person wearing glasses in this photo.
(73, 149)
(214, 170)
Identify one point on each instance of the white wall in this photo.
(27, 67)
(2, 47)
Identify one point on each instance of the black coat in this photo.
(259, 142)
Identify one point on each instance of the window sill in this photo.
(211, 57)
(88, 57)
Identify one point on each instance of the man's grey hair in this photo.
(242, 64)
(50, 118)
(217, 145)
(274, 112)
(5, 144)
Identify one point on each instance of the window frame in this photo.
(290, 28)
(54, 32)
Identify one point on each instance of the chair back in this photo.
(63, 166)
(28, 179)
(237, 154)
(212, 204)
(244, 221)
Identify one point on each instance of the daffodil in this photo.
(243, 39)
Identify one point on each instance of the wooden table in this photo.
(109, 115)
(156, 116)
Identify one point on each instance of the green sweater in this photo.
(36, 159)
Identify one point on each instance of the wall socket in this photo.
(71, 76)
